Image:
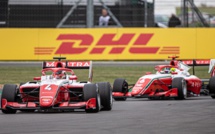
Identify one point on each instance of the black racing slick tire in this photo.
(105, 91)
(9, 93)
(92, 91)
(211, 87)
(120, 85)
(181, 85)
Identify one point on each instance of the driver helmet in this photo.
(60, 74)
(172, 69)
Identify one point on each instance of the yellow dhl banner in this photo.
(107, 44)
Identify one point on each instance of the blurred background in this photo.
(123, 13)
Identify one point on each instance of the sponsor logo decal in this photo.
(85, 43)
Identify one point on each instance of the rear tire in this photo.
(181, 85)
(91, 91)
(120, 85)
(105, 91)
(9, 93)
(211, 87)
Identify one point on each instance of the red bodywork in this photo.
(51, 93)
(160, 87)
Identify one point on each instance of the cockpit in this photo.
(56, 73)
(168, 70)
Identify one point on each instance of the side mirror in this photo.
(74, 77)
(37, 78)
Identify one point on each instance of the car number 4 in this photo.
(48, 87)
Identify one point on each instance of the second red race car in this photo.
(58, 89)
(170, 81)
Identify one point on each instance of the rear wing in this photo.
(81, 65)
(70, 65)
(194, 63)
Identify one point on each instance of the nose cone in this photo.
(46, 101)
(140, 86)
(47, 94)
(135, 91)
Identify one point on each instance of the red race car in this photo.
(170, 81)
(58, 89)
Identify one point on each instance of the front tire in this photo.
(181, 85)
(105, 91)
(91, 91)
(120, 85)
(9, 93)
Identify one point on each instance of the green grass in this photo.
(17, 75)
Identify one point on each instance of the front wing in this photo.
(90, 104)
